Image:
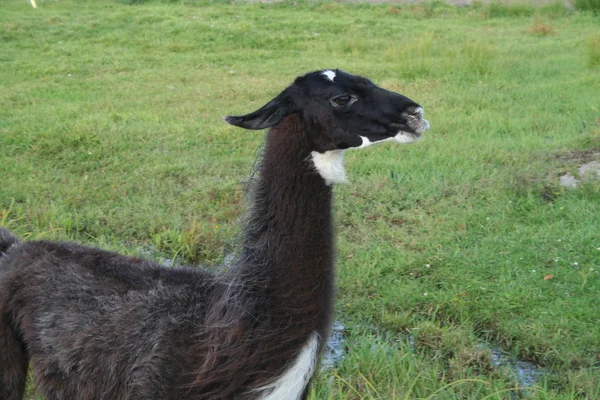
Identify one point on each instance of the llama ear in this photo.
(268, 115)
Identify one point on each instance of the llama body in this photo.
(98, 325)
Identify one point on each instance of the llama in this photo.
(98, 325)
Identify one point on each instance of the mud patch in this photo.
(578, 156)
(585, 172)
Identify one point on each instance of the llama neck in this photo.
(272, 313)
(288, 243)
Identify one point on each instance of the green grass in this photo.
(111, 134)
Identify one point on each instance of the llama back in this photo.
(7, 240)
(72, 304)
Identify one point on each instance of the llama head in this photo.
(340, 111)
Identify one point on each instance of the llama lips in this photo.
(417, 122)
(412, 128)
(416, 131)
(424, 126)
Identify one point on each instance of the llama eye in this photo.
(342, 100)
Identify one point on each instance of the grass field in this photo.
(111, 134)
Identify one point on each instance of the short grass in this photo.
(110, 134)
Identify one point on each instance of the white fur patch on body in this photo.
(329, 74)
(330, 165)
(292, 383)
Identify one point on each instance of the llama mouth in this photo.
(411, 125)
(423, 126)
(414, 123)
(412, 131)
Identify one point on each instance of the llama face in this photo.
(342, 111)
(352, 112)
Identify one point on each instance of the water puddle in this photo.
(334, 348)
(524, 373)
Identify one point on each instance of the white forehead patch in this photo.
(330, 165)
(329, 74)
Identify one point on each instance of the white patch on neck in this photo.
(330, 165)
(366, 142)
(329, 74)
(292, 383)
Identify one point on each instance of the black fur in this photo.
(7, 240)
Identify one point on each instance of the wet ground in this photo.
(334, 350)
(525, 374)
(587, 171)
